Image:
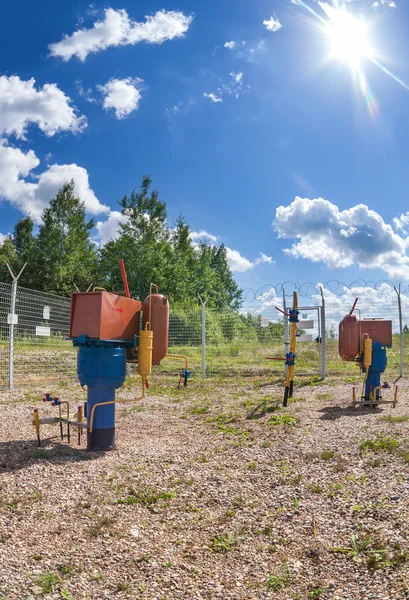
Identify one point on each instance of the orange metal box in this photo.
(379, 330)
(104, 316)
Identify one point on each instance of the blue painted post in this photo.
(101, 367)
(378, 366)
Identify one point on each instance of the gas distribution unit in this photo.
(106, 328)
(365, 341)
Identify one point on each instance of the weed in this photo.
(317, 593)
(391, 419)
(382, 443)
(222, 544)
(287, 420)
(147, 496)
(327, 455)
(103, 523)
(122, 586)
(252, 466)
(314, 488)
(47, 581)
(66, 595)
(365, 547)
(281, 580)
(324, 396)
(65, 570)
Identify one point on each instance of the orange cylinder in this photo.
(349, 342)
(156, 311)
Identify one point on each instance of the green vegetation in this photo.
(391, 419)
(279, 581)
(317, 593)
(47, 581)
(282, 419)
(382, 443)
(146, 496)
(222, 544)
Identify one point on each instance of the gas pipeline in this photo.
(365, 341)
(106, 329)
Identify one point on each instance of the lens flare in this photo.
(348, 37)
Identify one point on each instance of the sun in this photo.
(349, 38)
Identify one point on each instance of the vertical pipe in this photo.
(203, 339)
(400, 332)
(11, 330)
(11, 325)
(286, 340)
(124, 278)
(324, 338)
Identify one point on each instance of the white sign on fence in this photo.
(264, 321)
(305, 324)
(45, 331)
(46, 313)
(12, 319)
(304, 337)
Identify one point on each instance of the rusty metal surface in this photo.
(106, 316)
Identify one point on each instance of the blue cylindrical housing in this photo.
(102, 368)
(101, 365)
(378, 366)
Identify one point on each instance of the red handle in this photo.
(124, 279)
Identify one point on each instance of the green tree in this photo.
(143, 243)
(24, 244)
(64, 251)
(182, 278)
(8, 256)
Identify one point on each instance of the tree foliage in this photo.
(63, 253)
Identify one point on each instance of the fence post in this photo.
(324, 339)
(203, 337)
(400, 332)
(11, 321)
(286, 335)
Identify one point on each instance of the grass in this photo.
(222, 544)
(287, 420)
(327, 454)
(145, 496)
(391, 419)
(101, 525)
(382, 443)
(278, 581)
(317, 593)
(47, 582)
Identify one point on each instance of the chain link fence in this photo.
(217, 343)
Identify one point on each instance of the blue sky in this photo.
(246, 119)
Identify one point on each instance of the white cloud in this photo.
(202, 235)
(2, 237)
(234, 86)
(173, 110)
(109, 229)
(33, 197)
(402, 222)
(250, 52)
(240, 264)
(355, 236)
(235, 260)
(272, 24)
(85, 93)
(212, 97)
(379, 3)
(121, 95)
(21, 103)
(117, 29)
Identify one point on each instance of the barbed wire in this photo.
(310, 290)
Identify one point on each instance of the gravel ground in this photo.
(212, 492)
